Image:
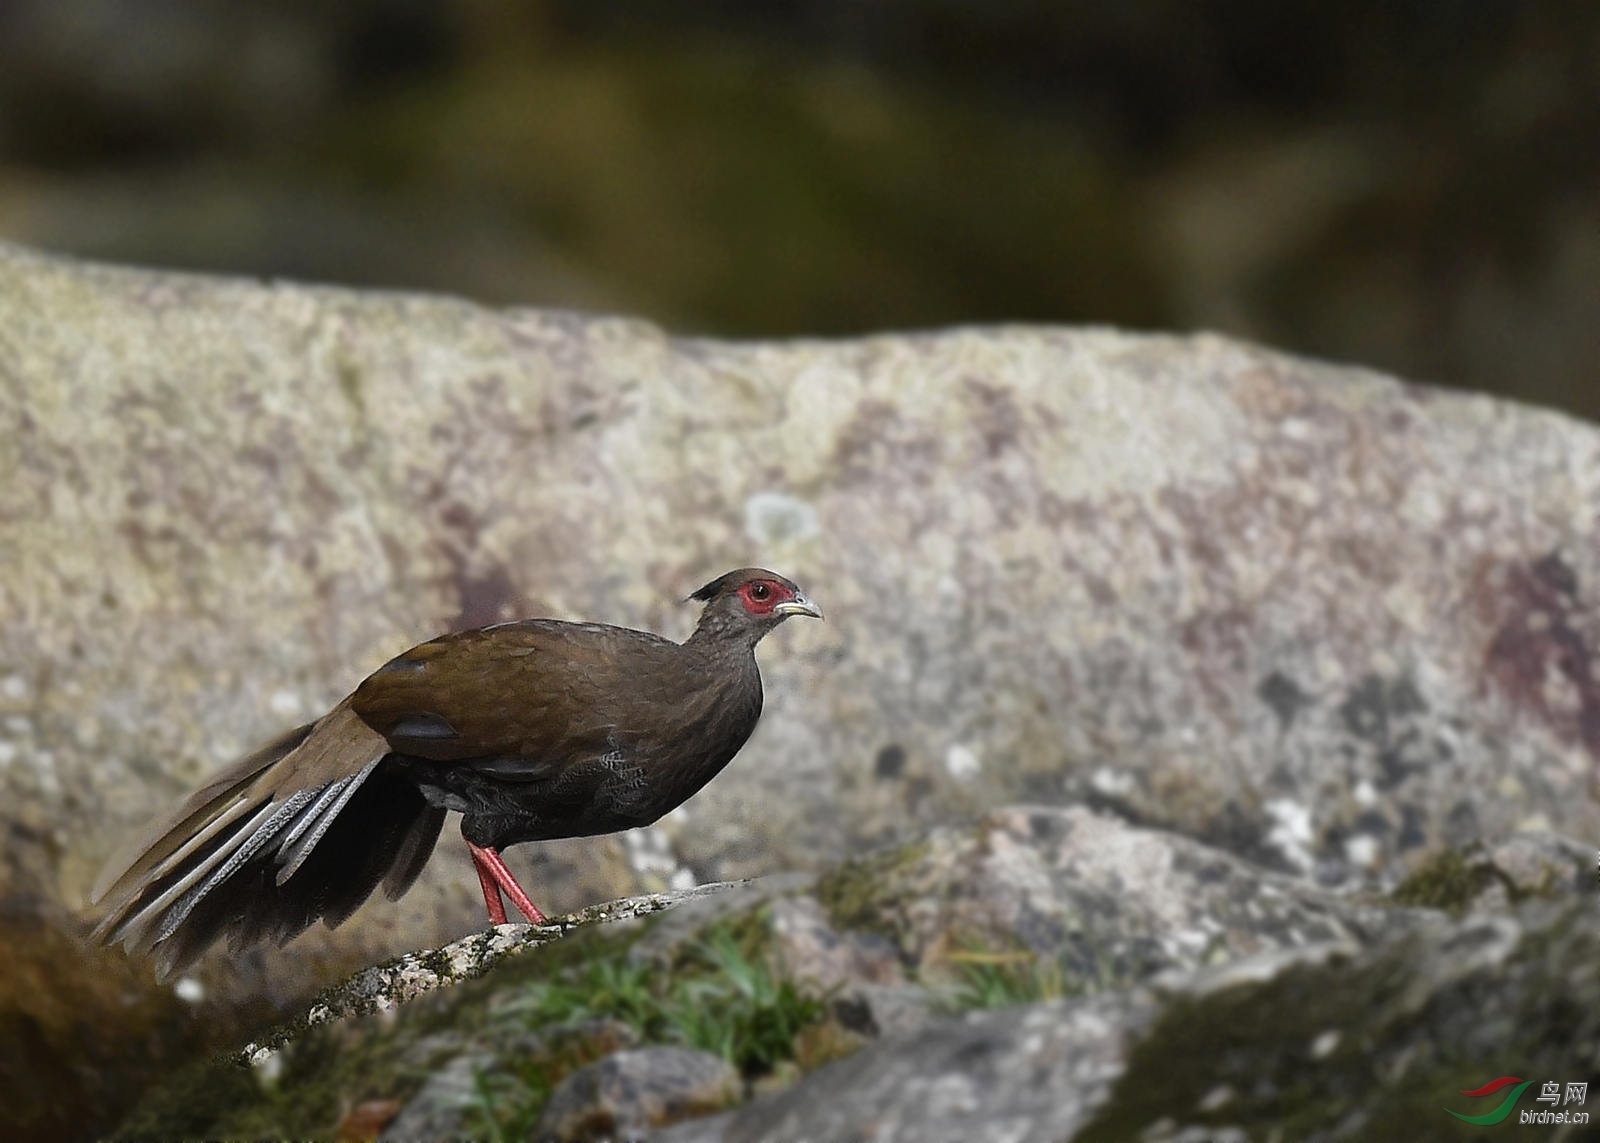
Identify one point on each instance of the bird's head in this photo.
(751, 601)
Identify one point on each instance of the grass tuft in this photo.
(721, 996)
(986, 978)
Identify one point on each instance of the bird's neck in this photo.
(718, 636)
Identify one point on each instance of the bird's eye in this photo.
(759, 591)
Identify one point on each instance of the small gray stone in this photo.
(439, 1109)
(1545, 864)
(628, 1093)
(1019, 1074)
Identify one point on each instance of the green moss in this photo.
(438, 962)
(855, 893)
(1371, 1047)
(1450, 880)
(348, 371)
(1234, 1042)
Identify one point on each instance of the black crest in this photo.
(715, 587)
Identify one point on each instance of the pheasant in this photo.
(531, 730)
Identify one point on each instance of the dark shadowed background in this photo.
(1413, 184)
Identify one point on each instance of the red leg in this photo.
(491, 891)
(493, 871)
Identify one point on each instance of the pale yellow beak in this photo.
(799, 605)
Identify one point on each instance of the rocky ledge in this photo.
(1051, 973)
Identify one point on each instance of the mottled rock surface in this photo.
(1303, 1013)
(1311, 615)
(382, 987)
(1321, 1043)
(1018, 1075)
(1107, 903)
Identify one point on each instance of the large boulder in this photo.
(1311, 615)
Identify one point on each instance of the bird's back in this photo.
(541, 729)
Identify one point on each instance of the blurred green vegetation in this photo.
(720, 191)
(720, 996)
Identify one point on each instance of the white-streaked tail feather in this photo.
(304, 820)
(121, 924)
(251, 839)
(228, 816)
(252, 822)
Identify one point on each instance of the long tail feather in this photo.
(163, 889)
(253, 838)
(361, 845)
(202, 814)
(303, 829)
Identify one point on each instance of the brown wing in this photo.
(538, 693)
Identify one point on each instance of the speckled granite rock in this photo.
(1321, 1042)
(384, 986)
(1109, 903)
(1101, 939)
(1310, 614)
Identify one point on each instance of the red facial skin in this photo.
(760, 596)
